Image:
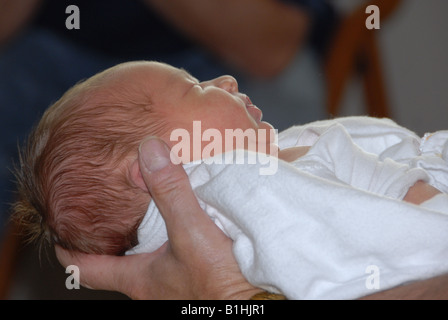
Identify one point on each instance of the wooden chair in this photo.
(354, 49)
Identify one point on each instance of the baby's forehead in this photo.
(129, 78)
(146, 77)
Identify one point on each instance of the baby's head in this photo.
(79, 179)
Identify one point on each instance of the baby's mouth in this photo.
(253, 111)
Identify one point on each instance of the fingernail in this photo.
(154, 153)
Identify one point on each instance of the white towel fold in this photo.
(317, 227)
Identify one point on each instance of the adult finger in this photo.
(104, 272)
(198, 253)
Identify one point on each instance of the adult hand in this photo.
(197, 261)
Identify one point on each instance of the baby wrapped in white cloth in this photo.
(331, 224)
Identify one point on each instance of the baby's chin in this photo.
(266, 125)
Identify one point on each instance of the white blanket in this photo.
(330, 225)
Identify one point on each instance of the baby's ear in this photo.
(136, 175)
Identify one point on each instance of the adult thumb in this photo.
(168, 184)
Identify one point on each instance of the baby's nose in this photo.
(227, 83)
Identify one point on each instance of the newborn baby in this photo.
(79, 178)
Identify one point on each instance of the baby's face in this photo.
(181, 98)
